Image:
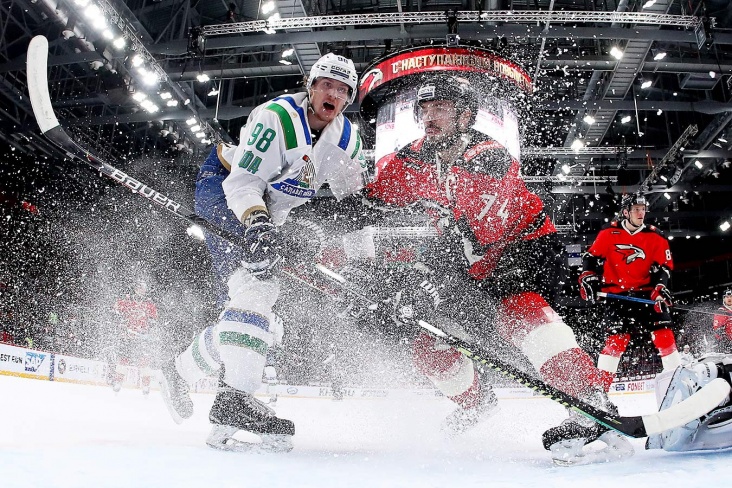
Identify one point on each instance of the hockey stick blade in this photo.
(697, 405)
(37, 65)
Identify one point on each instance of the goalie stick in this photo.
(634, 426)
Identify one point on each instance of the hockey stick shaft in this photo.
(639, 426)
(47, 121)
(652, 302)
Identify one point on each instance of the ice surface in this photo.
(66, 435)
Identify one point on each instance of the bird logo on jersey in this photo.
(630, 252)
(371, 79)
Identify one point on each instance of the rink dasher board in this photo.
(33, 364)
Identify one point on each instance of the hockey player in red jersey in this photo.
(722, 324)
(633, 259)
(138, 315)
(473, 188)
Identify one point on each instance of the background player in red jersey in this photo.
(722, 324)
(473, 188)
(138, 315)
(633, 259)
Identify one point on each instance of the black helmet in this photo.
(632, 199)
(454, 88)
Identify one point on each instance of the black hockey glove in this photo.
(589, 282)
(662, 296)
(262, 245)
(302, 241)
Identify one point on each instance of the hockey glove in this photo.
(262, 244)
(302, 241)
(662, 296)
(589, 283)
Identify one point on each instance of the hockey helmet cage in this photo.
(337, 68)
(453, 88)
(632, 199)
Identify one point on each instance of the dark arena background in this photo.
(618, 97)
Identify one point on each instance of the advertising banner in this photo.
(77, 370)
(26, 363)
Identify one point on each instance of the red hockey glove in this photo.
(589, 282)
(663, 299)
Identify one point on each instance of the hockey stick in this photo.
(640, 426)
(692, 408)
(50, 127)
(652, 302)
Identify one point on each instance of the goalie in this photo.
(709, 432)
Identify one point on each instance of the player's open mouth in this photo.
(328, 106)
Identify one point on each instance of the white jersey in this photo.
(275, 166)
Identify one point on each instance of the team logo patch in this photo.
(301, 185)
(371, 79)
(630, 252)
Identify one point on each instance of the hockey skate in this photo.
(567, 441)
(235, 411)
(174, 390)
(463, 419)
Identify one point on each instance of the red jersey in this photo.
(630, 257)
(482, 189)
(722, 324)
(137, 314)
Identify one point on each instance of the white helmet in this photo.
(337, 68)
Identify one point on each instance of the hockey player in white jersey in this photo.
(289, 147)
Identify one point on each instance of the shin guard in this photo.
(450, 371)
(533, 326)
(664, 340)
(609, 358)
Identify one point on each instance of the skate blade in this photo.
(165, 392)
(572, 453)
(222, 439)
(455, 429)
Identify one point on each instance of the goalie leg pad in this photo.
(711, 431)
